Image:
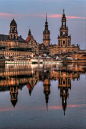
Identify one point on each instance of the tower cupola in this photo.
(13, 30)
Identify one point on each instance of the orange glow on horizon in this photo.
(40, 108)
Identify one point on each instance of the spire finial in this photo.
(63, 10)
(63, 13)
(46, 107)
(29, 31)
(13, 17)
(46, 16)
(64, 112)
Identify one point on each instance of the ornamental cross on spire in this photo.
(63, 11)
(46, 16)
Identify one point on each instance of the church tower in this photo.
(46, 34)
(13, 30)
(64, 41)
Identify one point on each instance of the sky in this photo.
(31, 14)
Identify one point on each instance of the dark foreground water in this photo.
(43, 97)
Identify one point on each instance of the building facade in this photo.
(12, 40)
(31, 43)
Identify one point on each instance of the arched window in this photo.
(63, 23)
(63, 33)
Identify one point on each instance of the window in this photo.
(63, 33)
(63, 82)
(63, 23)
(63, 42)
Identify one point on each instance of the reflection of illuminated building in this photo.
(46, 85)
(14, 93)
(64, 83)
(16, 77)
(30, 88)
(32, 82)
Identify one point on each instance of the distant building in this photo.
(12, 40)
(31, 43)
(43, 49)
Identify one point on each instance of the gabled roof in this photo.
(28, 38)
(29, 87)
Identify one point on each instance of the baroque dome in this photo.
(13, 23)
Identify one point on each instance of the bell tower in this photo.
(13, 30)
(64, 41)
(46, 34)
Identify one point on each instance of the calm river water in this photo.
(43, 96)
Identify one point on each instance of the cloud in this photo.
(6, 16)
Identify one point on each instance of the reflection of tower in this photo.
(64, 83)
(46, 85)
(64, 94)
(14, 93)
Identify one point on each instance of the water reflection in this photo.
(14, 77)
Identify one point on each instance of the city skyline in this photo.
(32, 14)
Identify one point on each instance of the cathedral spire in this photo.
(46, 107)
(63, 13)
(29, 34)
(46, 17)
